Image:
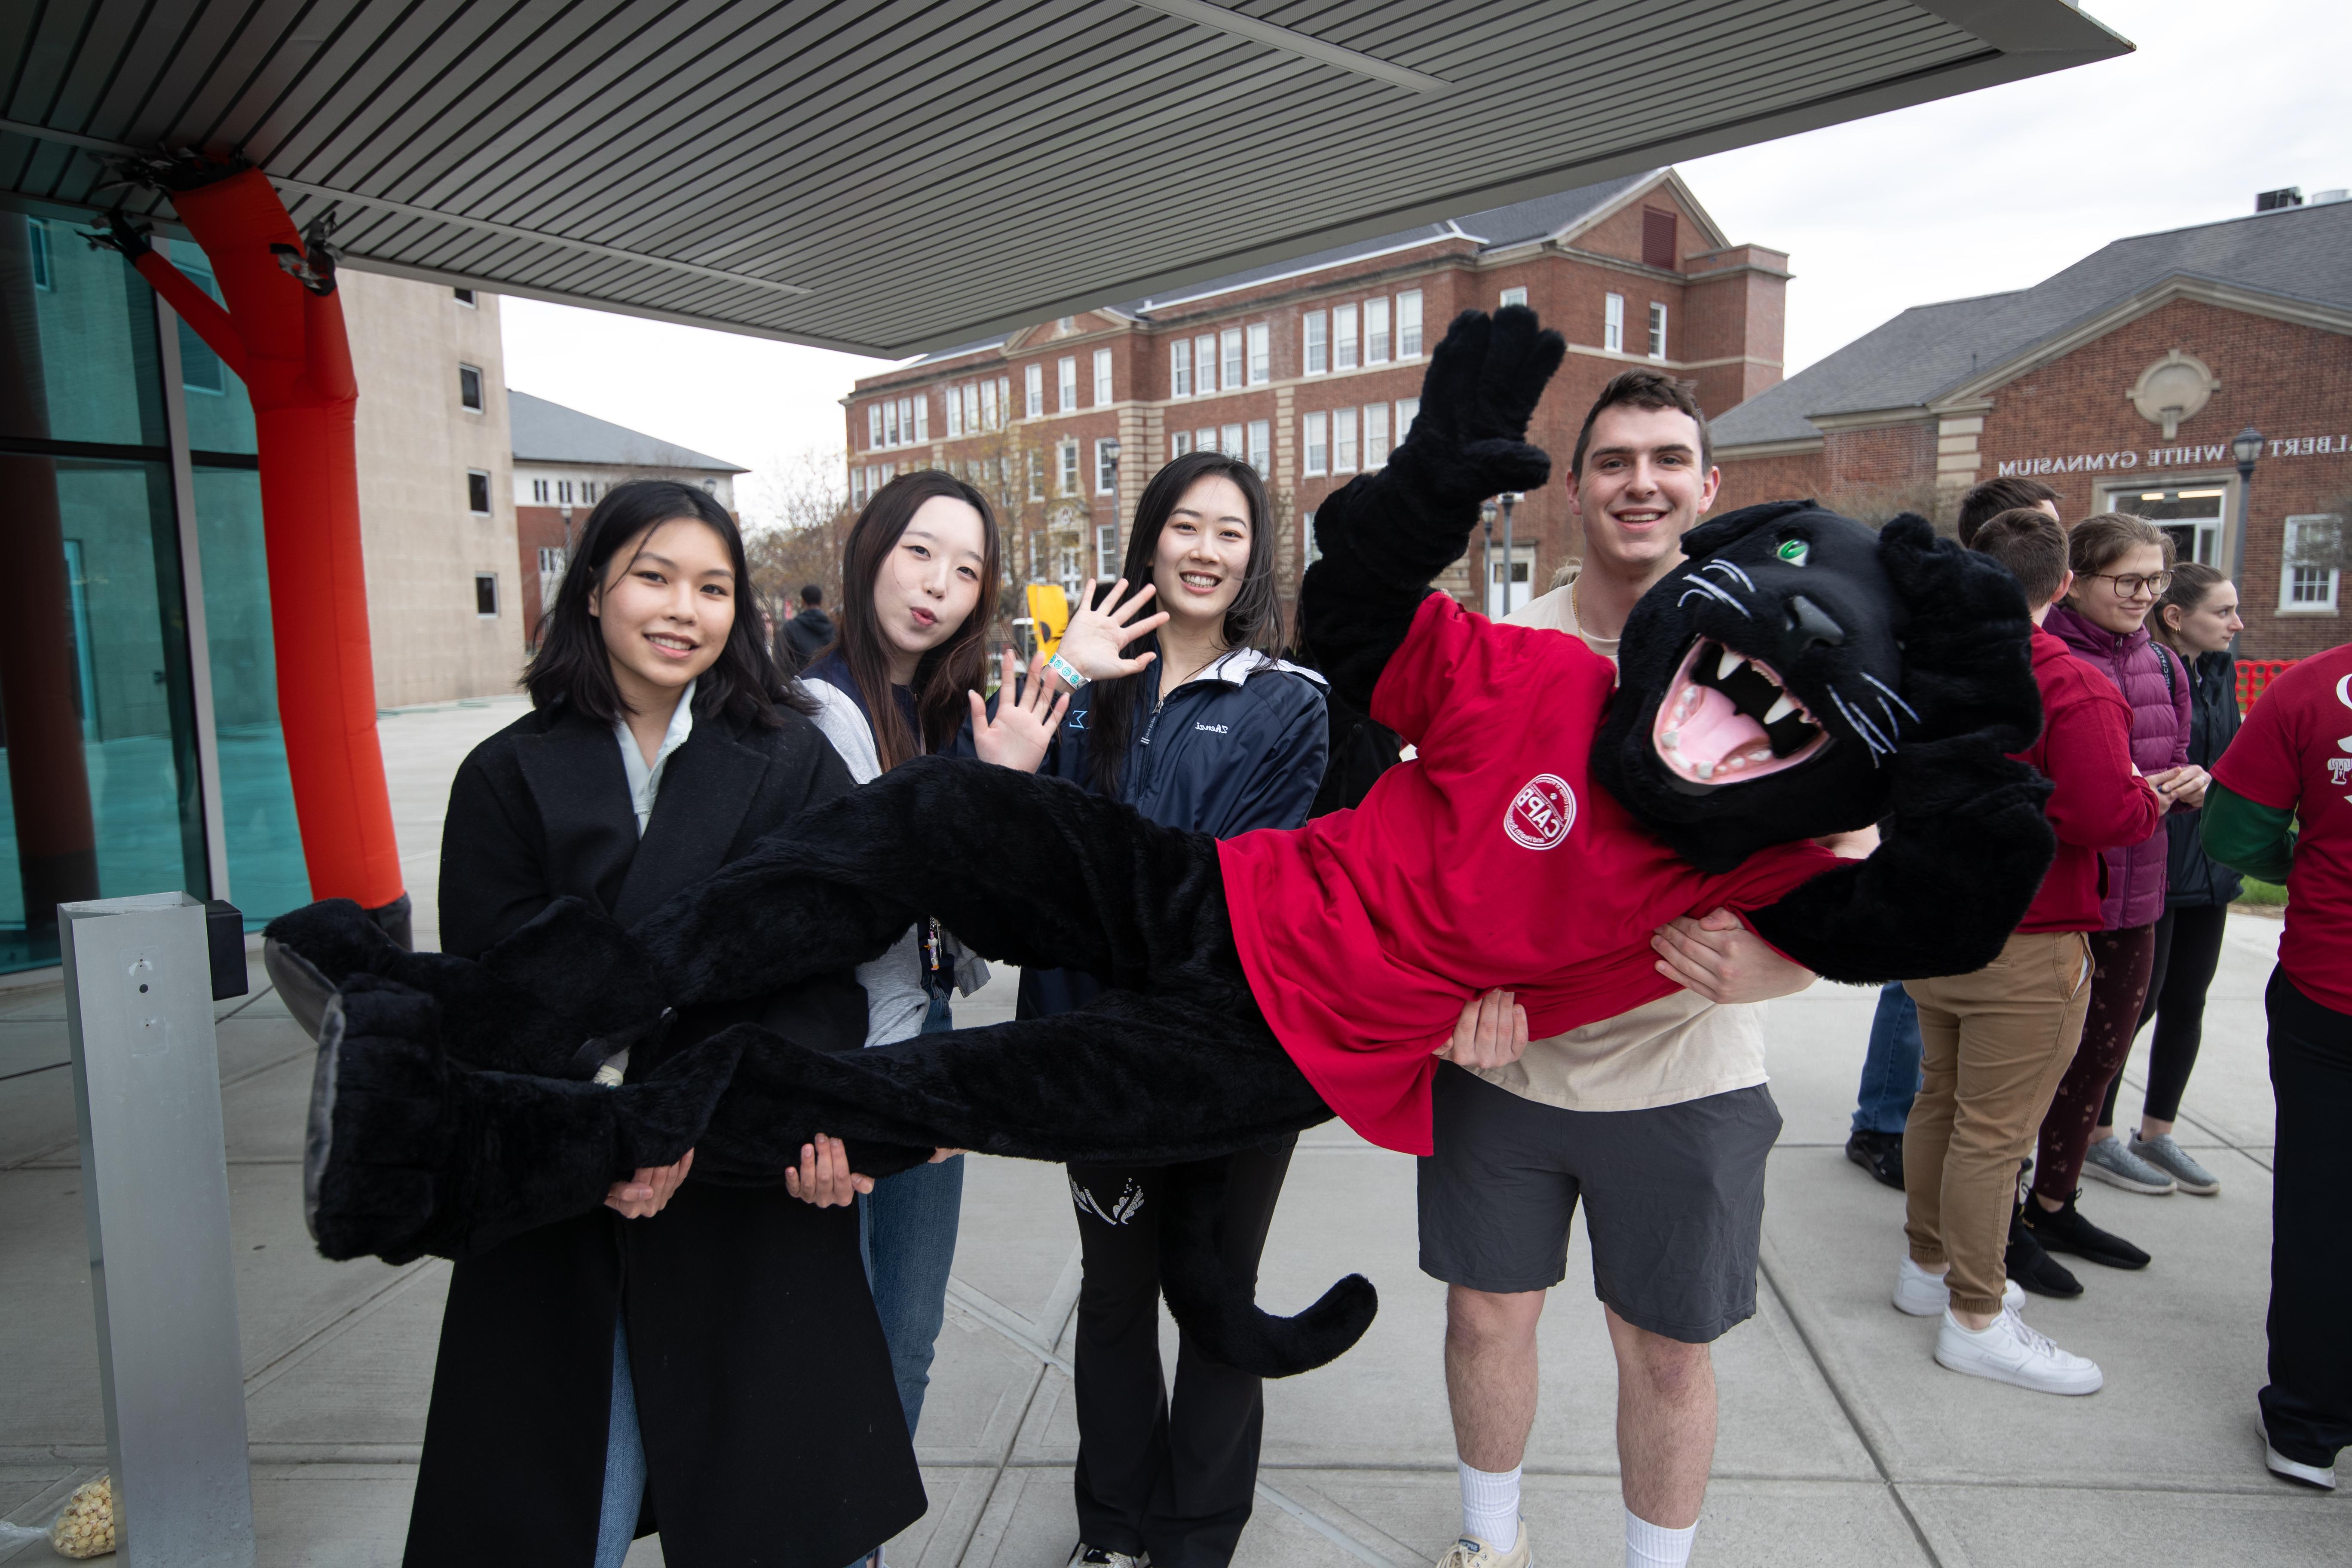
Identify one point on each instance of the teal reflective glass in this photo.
(220, 416)
(82, 326)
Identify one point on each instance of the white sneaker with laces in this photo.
(1472, 1552)
(1923, 1295)
(2009, 1351)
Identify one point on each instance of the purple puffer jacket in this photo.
(2160, 740)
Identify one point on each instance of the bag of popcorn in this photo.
(86, 1526)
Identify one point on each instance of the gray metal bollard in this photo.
(146, 1073)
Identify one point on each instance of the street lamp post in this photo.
(1510, 556)
(1486, 557)
(2245, 448)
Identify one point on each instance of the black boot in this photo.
(2033, 1269)
(409, 1153)
(2064, 1230)
(1880, 1154)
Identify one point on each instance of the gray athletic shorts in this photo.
(1674, 1200)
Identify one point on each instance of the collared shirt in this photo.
(645, 779)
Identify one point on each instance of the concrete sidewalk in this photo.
(1842, 1442)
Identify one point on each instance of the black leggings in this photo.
(2188, 951)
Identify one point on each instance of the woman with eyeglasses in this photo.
(2122, 565)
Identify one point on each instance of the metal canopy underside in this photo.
(896, 175)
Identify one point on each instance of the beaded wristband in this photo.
(1066, 670)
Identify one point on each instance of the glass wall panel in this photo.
(89, 323)
(220, 417)
(266, 874)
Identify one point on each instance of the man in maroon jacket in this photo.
(1998, 1041)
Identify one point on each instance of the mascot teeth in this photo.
(1730, 665)
(1779, 711)
(1730, 712)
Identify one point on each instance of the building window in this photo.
(1343, 337)
(588, 488)
(1236, 371)
(1408, 409)
(1316, 343)
(1376, 435)
(890, 422)
(1065, 379)
(1204, 366)
(469, 388)
(1408, 325)
(485, 594)
(539, 491)
(1261, 445)
(1229, 441)
(971, 401)
(2310, 573)
(873, 426)
(1180, 369)
(478, 492)
(1106, 468)
(1314, 550)
(552, 560)
(1103, 393)
(36, 240)
(1612, 322)
(1036, 476)
(1313, 431)
(1069, 479)
(2192, 517)
(952, 405)
(1514, 296)
(922, 406)
(465, 298)
(1343, 441)
(1657, 331)
(1107, 551)
(1261, 354)
(1205, 440)
(1376, 331)
(1066, 323)
(992, 405)
(1179, 443)
(563, 492)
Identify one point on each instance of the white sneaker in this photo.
(1923, 1295)
(2320, 1475)
(1474, 1552)
(2009, 1352)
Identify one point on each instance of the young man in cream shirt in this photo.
(1658, 1117)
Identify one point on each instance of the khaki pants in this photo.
(1995, 1044)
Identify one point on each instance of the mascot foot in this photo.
(1219, 1311)
(409, 1153)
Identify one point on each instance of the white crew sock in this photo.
(1490, 1506)
(1651, 1546)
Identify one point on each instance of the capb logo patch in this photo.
(1541, 813)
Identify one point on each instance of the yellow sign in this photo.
(1049, 610)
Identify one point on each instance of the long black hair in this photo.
(573, 667)
(948, 671)
(1253, 620)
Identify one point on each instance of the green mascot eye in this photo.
(1793, 551)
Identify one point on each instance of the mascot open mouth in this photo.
(1728, 718)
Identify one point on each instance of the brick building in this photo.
(2121, 381)
(565, 461)
(1312, 370)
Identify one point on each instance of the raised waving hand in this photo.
(1094, 643)
(1026, 716)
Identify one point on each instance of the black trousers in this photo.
(2307, 1408)
(1177, 1477)
(2188, 951)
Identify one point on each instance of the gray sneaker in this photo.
(2108, 1161)
(2165, 1156)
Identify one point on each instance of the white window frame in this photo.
(1205, 440)
(1516, 295)
(991, 406)
(1343, 441)
(486, 508)
(1179, 368)
(1376, 436)
(1179, 443)
(1377, 341)
(1260, 353)
(1261, 445)
(1204, 365)
(1612, 322)
(1105, 467)
(1105, 548)
(1066, 384)
(954, 400)
(1408, 409)
(1315, 343)
(922, 401)
(1067, 474)
(1657, 331)
(1037, 475)
(873, 426)
(563, 492)
(1032, 391)
(492, 579)
(538, 492)
(466, 297)
(481, 389)
(1104, 386)
(1345, 344)
(1314, 442)
(1408, 325)
(2287, 605)
(1233, 367)
(1229, 441)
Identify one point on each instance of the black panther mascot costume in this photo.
(1796, 677)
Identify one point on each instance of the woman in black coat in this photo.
(711, 1367)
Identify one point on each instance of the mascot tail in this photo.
(1220, 1311)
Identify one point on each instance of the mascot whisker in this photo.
(1554, 816)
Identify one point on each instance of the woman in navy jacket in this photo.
(1197, 728)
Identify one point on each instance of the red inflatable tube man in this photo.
(283, 335)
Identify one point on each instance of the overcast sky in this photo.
(1971, 196)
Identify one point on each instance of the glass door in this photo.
(2192, 515)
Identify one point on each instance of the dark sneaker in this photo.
(2035, 1269)
(1085, 1556)
(2065, 1230)
(1880, 1154)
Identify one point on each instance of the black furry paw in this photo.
(1485, 379)
(1967, 660)
(375, 1159)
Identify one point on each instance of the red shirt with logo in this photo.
(2295, 753)
(1488, 861)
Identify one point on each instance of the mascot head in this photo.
(1759, 691)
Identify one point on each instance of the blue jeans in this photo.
(624, 1462)
(1890, 1072)
(907, 1234)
